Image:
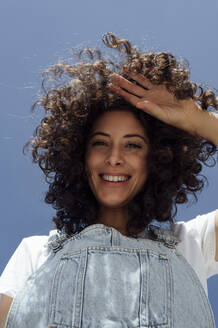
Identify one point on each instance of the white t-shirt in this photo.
(198, 246)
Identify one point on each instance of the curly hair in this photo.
(76, 95)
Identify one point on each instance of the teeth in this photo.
(114, 178)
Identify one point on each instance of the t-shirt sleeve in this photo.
(205, 227)
(199, 240)
(26, 259)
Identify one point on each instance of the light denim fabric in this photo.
(99, 278)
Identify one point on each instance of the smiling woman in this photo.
(121, 144)
(117, 150)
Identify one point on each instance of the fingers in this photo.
(126, 95)
(127, 85)
(141, 79)
(154, 110)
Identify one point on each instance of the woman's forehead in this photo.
(118, 119)
(118, 124)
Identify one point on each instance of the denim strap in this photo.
(163, 235)
(55, 242)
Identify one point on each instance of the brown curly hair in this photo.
(76, 96)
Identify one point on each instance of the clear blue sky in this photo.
(35, 35)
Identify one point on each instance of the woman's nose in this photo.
(115, 158)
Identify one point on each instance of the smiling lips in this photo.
(117, 174)
(114, 180)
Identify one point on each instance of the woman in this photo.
(120, 145)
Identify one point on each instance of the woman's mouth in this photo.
(114, 181)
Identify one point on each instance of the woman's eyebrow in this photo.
(108, 135)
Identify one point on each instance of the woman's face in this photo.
(117, 147)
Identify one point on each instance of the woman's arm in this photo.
(5, 303)
(157, 101)
(204, 124)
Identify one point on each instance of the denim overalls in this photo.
(99, 278)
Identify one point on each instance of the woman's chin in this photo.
(113, 203)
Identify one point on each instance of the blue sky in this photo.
(37, 34)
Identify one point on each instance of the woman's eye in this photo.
(129, 145)
(98, 143)
(133, 145)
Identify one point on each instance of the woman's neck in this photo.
(114, 217)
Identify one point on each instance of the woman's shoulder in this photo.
(32, 250)
(30, 254)
(197, 244)
(39, 240)
(198, 225)
(36, 243)
(37, 247)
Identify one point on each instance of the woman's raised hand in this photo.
(156, 100)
